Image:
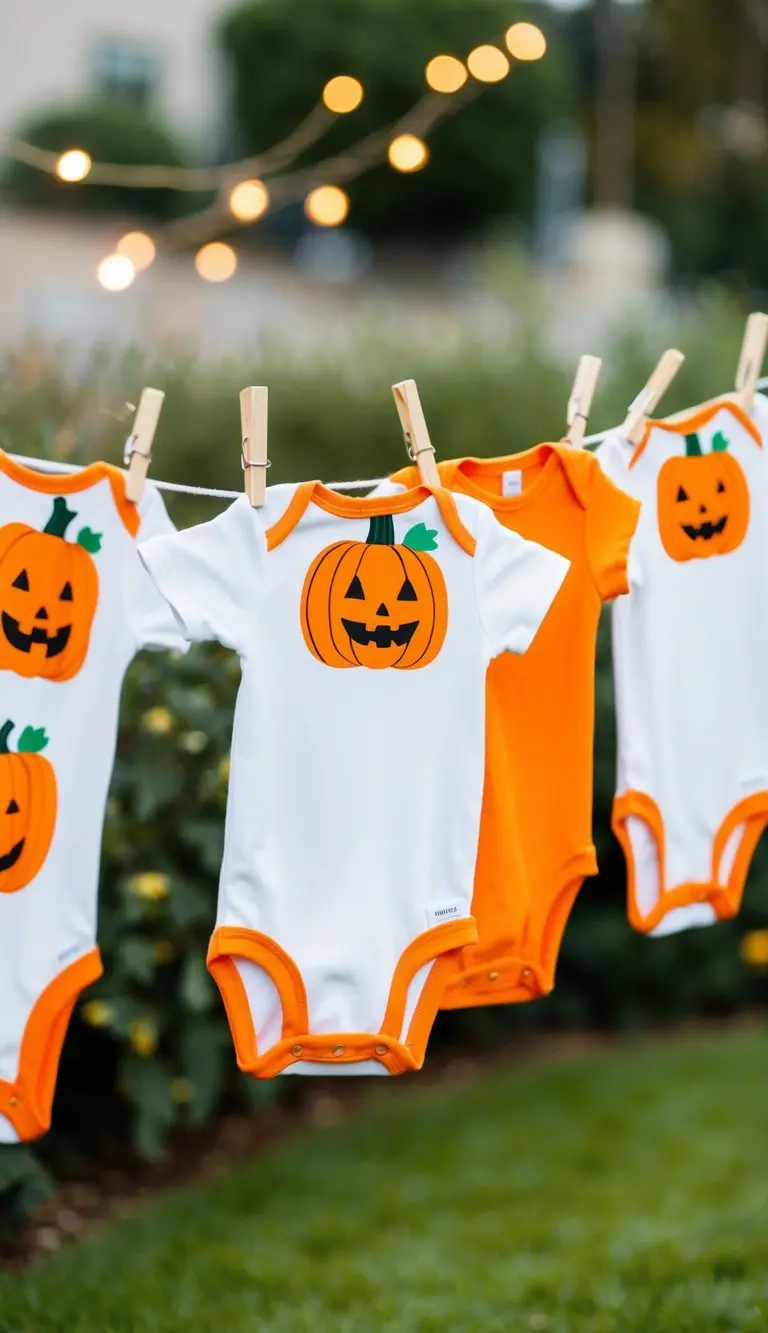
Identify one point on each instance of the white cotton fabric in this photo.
(51, 922)
(690, 653)
(355, 794)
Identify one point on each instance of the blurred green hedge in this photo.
(148, 1048)
(109, 131)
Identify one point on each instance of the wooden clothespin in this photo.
(580, 401)
(751, 359)
(649, 396)
(253, 431)
(137, 453)
(420, 448)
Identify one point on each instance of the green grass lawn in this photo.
(624, 1192)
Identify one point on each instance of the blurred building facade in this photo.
(158, 53)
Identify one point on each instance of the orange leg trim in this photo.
(724, 898)
(518, 978)
(27, 1103)
(441, 943)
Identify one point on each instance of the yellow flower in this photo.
(96, 1013)
(193, 741)
(158, 720)
(182, 1089)
(151, 884)
(164, 951)
(223, 770)
(754, 948)
(143, 1036)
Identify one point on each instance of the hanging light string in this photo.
(246, 189)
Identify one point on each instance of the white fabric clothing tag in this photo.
(512, 483)
(437, 913)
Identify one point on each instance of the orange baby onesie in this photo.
(537, 804)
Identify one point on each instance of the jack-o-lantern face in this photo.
(27, 808)
(703, 502)
(49, 588)
(376, 604)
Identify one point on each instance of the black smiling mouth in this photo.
(705, 530)
(12, 856)
(54, 643)
(383, 636)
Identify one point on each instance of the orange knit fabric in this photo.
(536, 829)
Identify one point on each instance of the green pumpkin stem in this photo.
(60, 518)
(5, 732)
(692, 446)
(381, 531)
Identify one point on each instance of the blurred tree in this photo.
(482, 161)
(109, 131)
(676, 94)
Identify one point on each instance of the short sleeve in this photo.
(516, 582)
(151, 621)
(612, 517)
(209, 575)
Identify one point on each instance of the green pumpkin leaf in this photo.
(90, 541)
(719, 443)
(421, 538)
(32, 740)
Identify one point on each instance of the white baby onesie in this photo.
(76, 604)
(690, 651)
(364, 628)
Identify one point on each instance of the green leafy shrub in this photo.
(148, 1048)
(109, 131)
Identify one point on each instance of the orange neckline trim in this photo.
(350, 506)
(697, 419)
(724, 898)
(69, 483)
(466, 470)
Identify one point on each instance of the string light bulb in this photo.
(249, 200)
(488, 64)
(216, 261)
(342, 94)
(445, 74)
(73, 165)
(115, 273)
(138, 247)
(327, 206)
(407, 153)
(525, 41)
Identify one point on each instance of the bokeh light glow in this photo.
(445, 74)
(138, 247)
(249, 200)
(407, 153)
(73, 165)
(526, 42)
(216, 262)
(327, 206)
(342, 94)
(115, 273)
(487, 64)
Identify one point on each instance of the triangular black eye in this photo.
(21, 581)
(681, 494)
(407, 593)
(13, 809)
(720, 487)
(355, 590)
(66, 593)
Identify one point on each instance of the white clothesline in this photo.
(49, 465)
